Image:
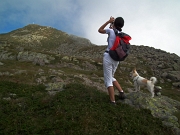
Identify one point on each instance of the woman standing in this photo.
(110, 65)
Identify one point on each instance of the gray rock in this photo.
(174, 75)
(36, 58)
(1, 64)
(161, 107)
(176, 84)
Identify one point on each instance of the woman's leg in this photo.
(118, 86)
(115, 82)
(108, 79)
(121, 92)
(111, 93)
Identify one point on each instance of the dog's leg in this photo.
(150, 88)
(152, 91)
(137, 87)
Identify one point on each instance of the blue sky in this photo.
(153, 23)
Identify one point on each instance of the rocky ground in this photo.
(43, 55)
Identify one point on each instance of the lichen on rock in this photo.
(161, 107)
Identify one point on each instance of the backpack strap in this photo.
(125, 37)
(117, 40)
(115, 31)
(116, 43)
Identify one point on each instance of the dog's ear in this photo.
(134, 70)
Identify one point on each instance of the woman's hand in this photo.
(111, 19)
(101, 29)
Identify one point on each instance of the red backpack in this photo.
(121, 47)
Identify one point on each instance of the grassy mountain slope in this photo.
(36, 61)
(76, 110)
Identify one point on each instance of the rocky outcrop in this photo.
(36, 58)
(161, 107)
(5, 55)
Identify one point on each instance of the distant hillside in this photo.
(46, 40)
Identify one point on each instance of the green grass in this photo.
(78, 110)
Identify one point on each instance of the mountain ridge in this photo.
(48, 40)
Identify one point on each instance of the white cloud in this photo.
(150, 23)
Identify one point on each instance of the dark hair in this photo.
(119, 23)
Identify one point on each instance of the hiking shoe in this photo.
(113, 103)
(122, 95)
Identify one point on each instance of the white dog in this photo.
(140, 81)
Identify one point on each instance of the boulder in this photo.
(161, 107)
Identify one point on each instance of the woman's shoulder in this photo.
(109, 30)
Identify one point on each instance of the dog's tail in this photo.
(153, 80)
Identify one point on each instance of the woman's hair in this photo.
(119, 23)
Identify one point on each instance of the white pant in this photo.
(109, 68)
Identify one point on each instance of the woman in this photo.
(109, 65)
